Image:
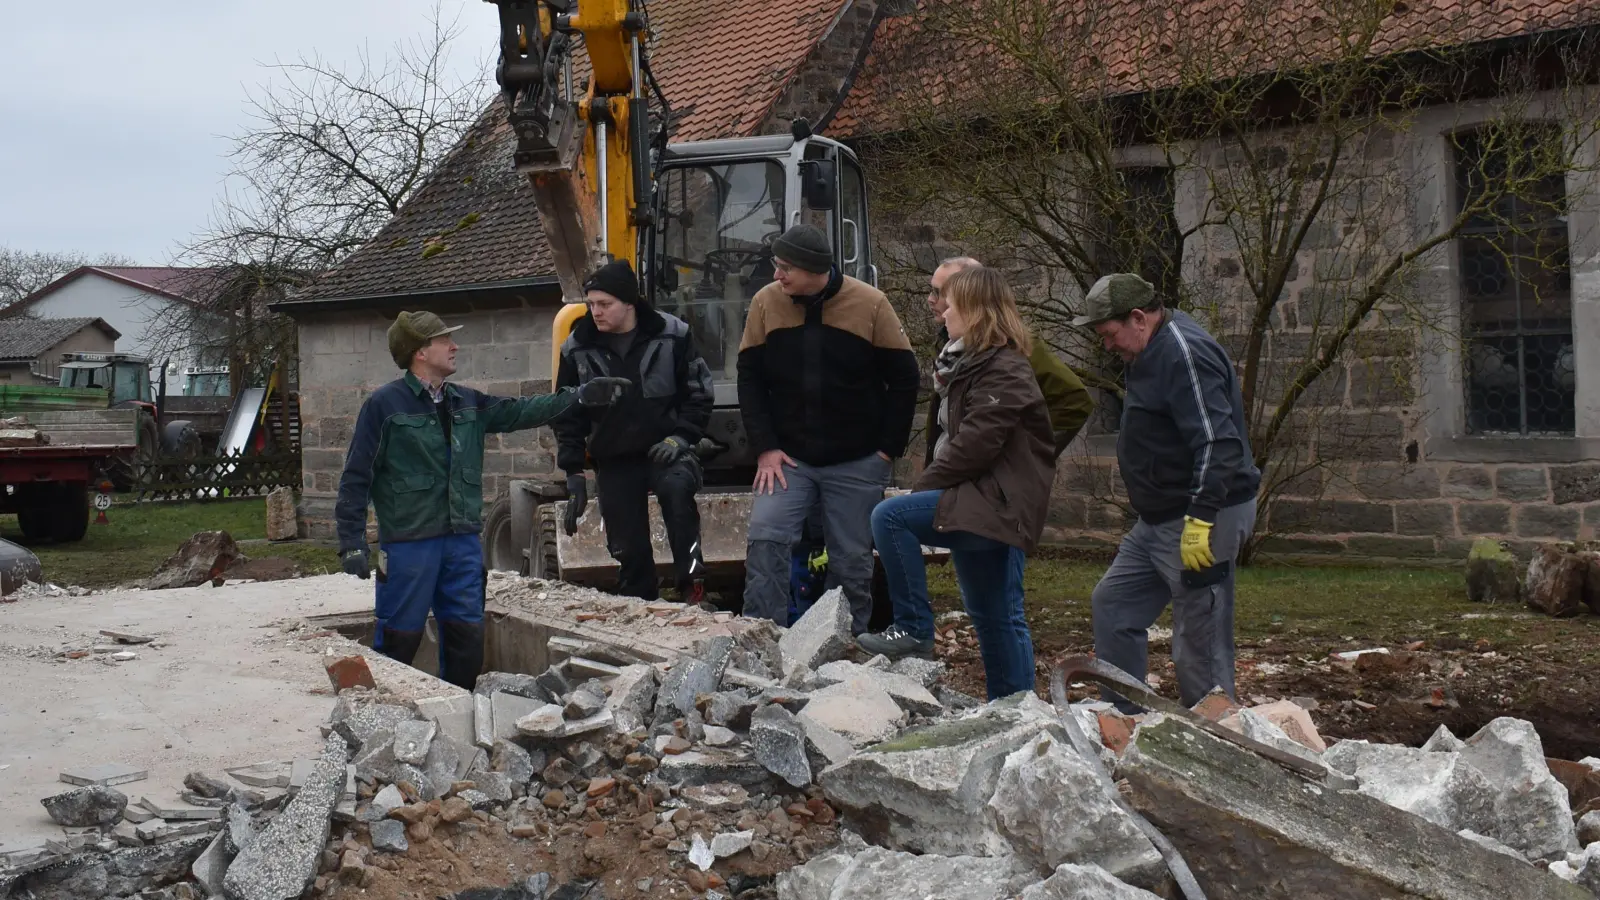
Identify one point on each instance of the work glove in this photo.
(602, 391)
(1194, 545)
(577, 500)
(355, 562)
(665, 451)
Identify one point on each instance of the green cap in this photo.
(411, 332)
(1113, 297)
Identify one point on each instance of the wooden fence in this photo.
(218, 477)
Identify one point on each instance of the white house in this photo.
(159, 311)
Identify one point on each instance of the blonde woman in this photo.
(986, 493)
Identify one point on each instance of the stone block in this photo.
(483, 732)
(1468, 483)
(1521, 484)
(1575, 484)
(1484, 518)
(821, 635)
(1556, 580)
(928, 790)
(412, 740)
(1380, 383)
(1397, 482)
(1380, 546)
(1235, 817)
(1543, 521)
(280, 514)
(907, 692)
(1332, 517)
(1425, 518)
(1054, 808)
(282, 862)
(505, 711)
(1493, 573)
(389, 836)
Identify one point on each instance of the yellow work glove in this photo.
(1194, 547)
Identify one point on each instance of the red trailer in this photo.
(48, 486)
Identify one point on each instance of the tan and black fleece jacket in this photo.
(826, 378)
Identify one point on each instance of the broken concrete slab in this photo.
(907, 692)
(1440, 787)
(505, 710)
(239, 831)
(85, 807)
(389, 836)
(262, 775)
(1056, 808)
(453, 712)
(729, 843)
(512, 760)
(1532, 807)
(370, 720)
(691, 676)
(824, 746)
(730, 709)
(483, 721)
(879, 874)
(633, 696)
(178, 812)
(549, 723)
(858, 710)
(1071, 882)
(584, 701)
(714, 766)
(1295, 723)
(207, 787)
(928, 790)
(1491, 843)
(779, 743)
(1234, 815)
(104, 775)
(282, 862)
(412, 739)
(122, 872)
(1346, 755)
(925, 672)
(525, 686)
(820, 636)
(211, 867)
(442, 767)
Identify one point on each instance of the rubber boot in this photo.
(400, 646)
(460, 653)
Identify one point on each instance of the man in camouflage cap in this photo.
(1184, 453)
(417, 457)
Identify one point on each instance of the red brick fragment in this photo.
(348, 672)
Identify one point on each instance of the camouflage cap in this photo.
(1113, 297)
(411, 332)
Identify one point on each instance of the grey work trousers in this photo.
(848, 492)
(1146, 576)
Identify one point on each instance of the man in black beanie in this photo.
(827, 390)
(644, 441)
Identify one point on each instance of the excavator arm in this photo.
(586, 156)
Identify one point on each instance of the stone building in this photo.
(1424, 439)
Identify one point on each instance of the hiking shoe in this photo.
(894, 643)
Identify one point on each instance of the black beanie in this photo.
(805, 247)
(617, 279)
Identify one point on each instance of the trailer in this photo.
(47, 486)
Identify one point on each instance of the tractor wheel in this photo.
(500, 550)
(543, 562)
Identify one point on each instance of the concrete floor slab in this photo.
(224, 684)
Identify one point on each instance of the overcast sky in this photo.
(115, 115)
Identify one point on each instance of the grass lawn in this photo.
(140, 536)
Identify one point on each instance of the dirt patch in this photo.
(266, 568)
(1399, 697)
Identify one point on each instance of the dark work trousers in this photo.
(624, 487)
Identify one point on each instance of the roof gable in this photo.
(193, 286)
(26, 338)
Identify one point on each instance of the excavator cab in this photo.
(719, 206)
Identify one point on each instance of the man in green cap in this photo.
(1184, 453)
(417, 456)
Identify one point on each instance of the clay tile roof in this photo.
(722, 66)
(25, 338)
(1125, 41)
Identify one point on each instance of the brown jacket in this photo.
(997, 469)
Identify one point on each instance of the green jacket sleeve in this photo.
(1065, 396)
(518, 413)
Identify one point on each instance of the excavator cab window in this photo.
(713, 249)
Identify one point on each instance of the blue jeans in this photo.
(990, 575)
(444, 574)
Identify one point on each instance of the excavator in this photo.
(696, 220)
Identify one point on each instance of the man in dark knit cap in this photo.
(644, 441)
(827, 388)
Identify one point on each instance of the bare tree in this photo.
(23, 272)
(1258, 161)
(330, 155)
